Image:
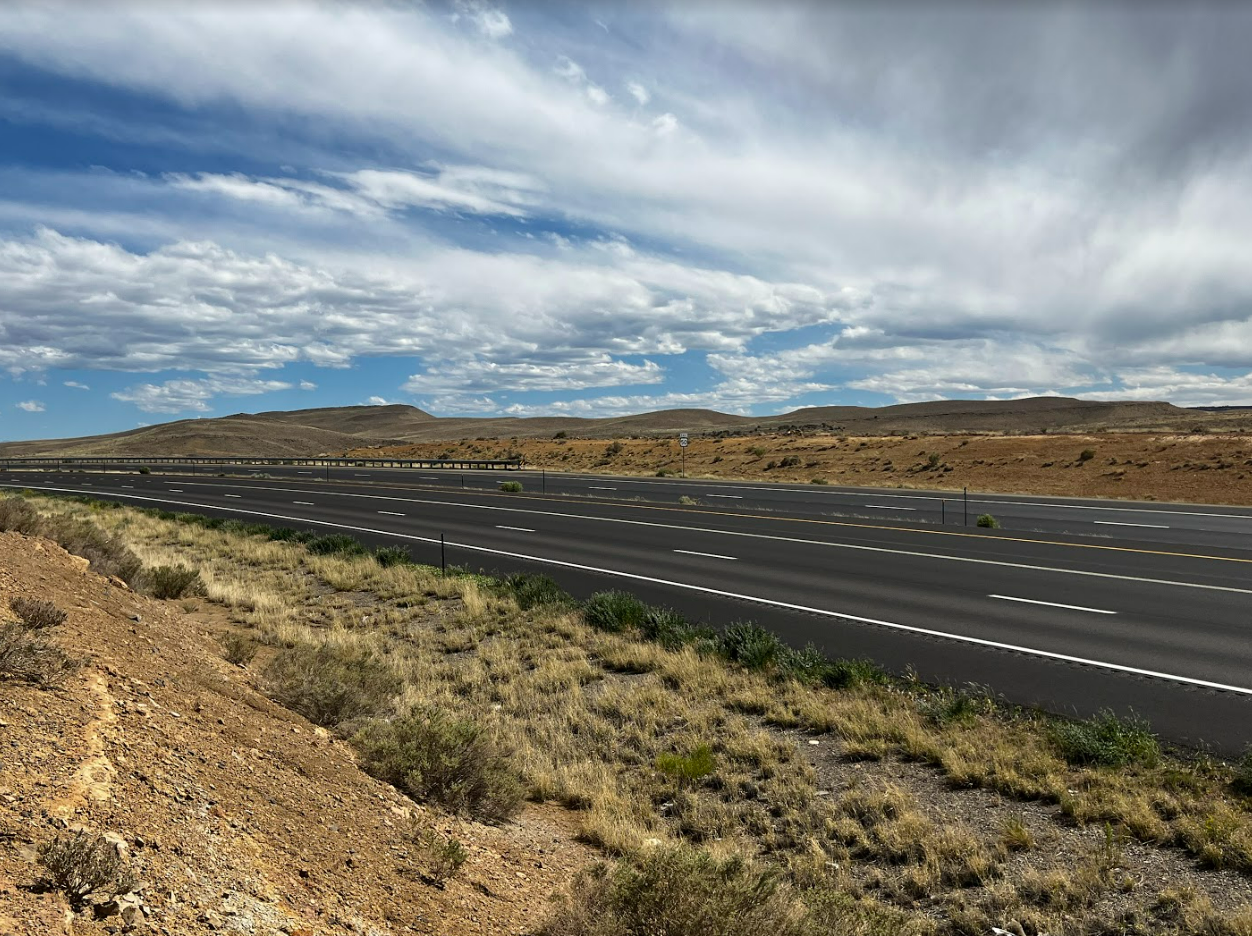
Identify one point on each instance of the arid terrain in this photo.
(731, 786)
(1214, 469)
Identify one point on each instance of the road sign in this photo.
(682, 439)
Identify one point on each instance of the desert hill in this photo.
(333, 430)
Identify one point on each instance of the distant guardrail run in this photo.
(133, 461)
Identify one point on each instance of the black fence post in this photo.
(443, 557)
(943, 513)
(965, 494)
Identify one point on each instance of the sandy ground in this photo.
(238, 815)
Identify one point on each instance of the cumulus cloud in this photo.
(31, 406)
(179, 396)
(76, 385)
(491, 22)
(481, 376)
(307, 385)
(638, 92)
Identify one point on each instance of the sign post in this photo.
(682, 444)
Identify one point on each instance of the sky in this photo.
(512, 208)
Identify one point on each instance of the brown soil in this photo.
(239, 815)
(1165, 467)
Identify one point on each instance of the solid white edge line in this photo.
(705, 590)
(1052, 604)
(692, 552)
(1150, 526)
(518, 529)
(762, 536)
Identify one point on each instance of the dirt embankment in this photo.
(1200, 469)
(236, 814)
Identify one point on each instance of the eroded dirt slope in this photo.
(238, 815)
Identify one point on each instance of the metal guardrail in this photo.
(132, 461)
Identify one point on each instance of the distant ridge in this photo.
(337, 429)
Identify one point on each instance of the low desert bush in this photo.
(750, 645)
(437, 859)
(986, 520)
(1107, 741)
(694, 765)
(678, 891)
(818, 481)
(1241, 781)
(791, 461)
(334, 544)
(331, 684)
(511, 487)
(80, 864)
(168, 582)
(107, 554)
(688, 501)
(670, 629)
(17, 516)
(27, 655)
(614, 611)
(434, 757)
(1086, 455)
(36, 613)
(531, 590)
(388, 556)
(239, 649)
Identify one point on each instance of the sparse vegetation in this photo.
(438, 858)
(1107, 741)
(678, 891)
(239, 649)
(531, 591)
(330, 684)
(388, 556)
(511, 487)
(27, 655)
(80, 864)
(36, 614)
(434, 757)
(688, 501)
(1086, 455)
(614, 611)
(694, 765)
(167, 582)
(988, 521)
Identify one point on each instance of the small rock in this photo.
(136, 618)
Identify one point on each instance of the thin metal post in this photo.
(443, 557)
(543, 473)
(462, 481)
(684, 451)
(966, 496)
(943, 512)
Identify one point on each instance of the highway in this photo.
(1059, 608)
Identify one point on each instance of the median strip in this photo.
(1052, 604)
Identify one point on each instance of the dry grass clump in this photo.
(36, 613)
(26, 653)
(330, 684)
(80, 864)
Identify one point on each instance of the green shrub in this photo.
(36, 613)
(758, 451)
(688, 501)
(239, 648)
(1241, 781)
(561, 435)
(676, 891)
(178, 581)
(434, 757)
(511, 487)
(614, 611)
(696, 765)
(986, 520)
(388, 556)
(818, 481)
(670, 629)
(438, 859)
(283, 534)
(1107, 741)
(330, 685)
(27, 655)
(791, 461)
(107, 554)
(334, 544)
(663, 473)
(751, 645)
(531, 590)
(808, 665)
(144, 469)
(932, 459)
(80, 864)
(1086, 455)
(846, 674)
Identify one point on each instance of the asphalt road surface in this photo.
(1072, 605)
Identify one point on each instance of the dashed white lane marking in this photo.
(692, 552)
(305, 503)
(887, 507)
(1052, 604)
(1151, 526)
(180, 490)
(232, 495)
(728, 496)
(596, 487)
(769, 602)
(519, 529)
(131, 486)
(304, 472)
(392, 513)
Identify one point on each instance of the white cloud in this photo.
(76, 385)
(638, 92)
(568, 69)
(482, 376)
(31, 406)
(491, 22)
(307, 385)
(665, 124)
(597, 95)
(178, 396)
